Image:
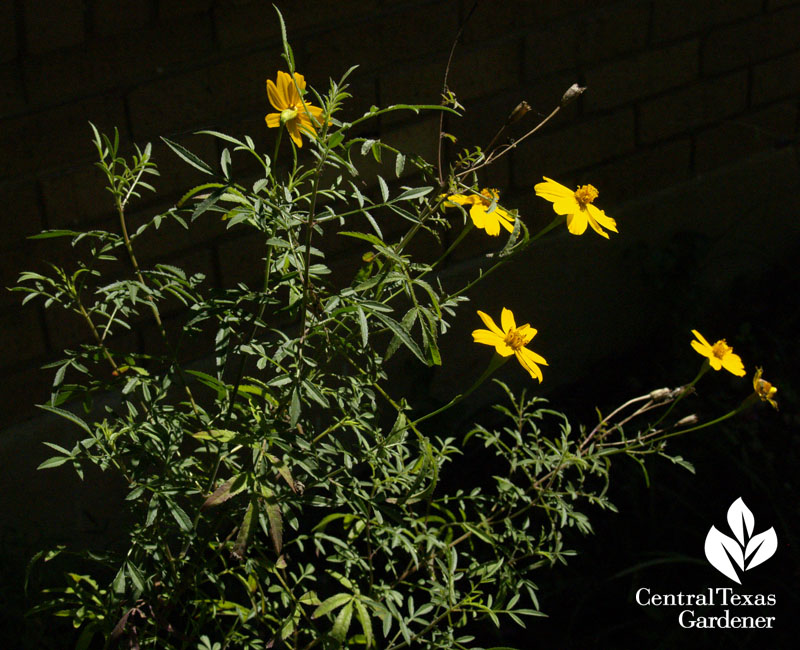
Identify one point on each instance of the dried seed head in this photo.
(573, 92)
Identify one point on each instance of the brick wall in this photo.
(679, 91)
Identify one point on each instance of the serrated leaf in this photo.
(362, 323)
(366, 622)
(329, 604)
(372, 239)
(67, 416)
(342, 623)
(283, 470)
(180, 516)
(399, 164)
(55, 461)
(275, 524)
(407, 322)
(217, 435)
(245, 530)
(228, 489)
(414, 193)
(188, 156)
(384, 189)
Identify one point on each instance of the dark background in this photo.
(688, 128)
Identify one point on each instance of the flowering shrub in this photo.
(280, 493)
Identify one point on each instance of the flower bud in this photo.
(519, 112)
(660, 394)
(687, 421)
(573, 92)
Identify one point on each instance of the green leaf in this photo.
(399, 164)
(118, 585)
(221, 136)
(67, 416)
(136, 577)
(275, 523)
(228, 489)
(366, 622)
(362, 323)
(55, 461)
(197, 190)
(342, 623)
(384, 189)
(188, 156)
(210, 200)
(294, 407)
(414, 193)
(184, 521)
(217, 435)
(48, 234)
(372, 239)
(329, 604)
(403, 335)
(245, 530)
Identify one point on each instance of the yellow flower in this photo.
(510, 340)
(482, 217)
(578, 206)
(764, 389)
(720, 355)
(292, 111)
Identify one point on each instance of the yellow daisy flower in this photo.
(510, 340)
(720, 355)
(490, 221)
(292, 111)
(764, 389)
(577, 206)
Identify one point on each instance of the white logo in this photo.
(746, 551)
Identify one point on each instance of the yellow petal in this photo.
(486, 337)
(552, 191)
(528, 364)
(461, 199)
(505, 219)
(301, 80)
(602, 218)
(705, 350)
(278, 102)
(507, 320)
(486, 220)
(306, 125)
(478, 215)
(700, 338)
(733, 364)
(595, 226)
(576, 223)
(315, 111)
(487, 320)
(566, 205)
(273, 120)
(533, 357)
(287, 90)
(294, 131)
(527, 333)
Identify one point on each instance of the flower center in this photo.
(487, 196)
(764, 388)
(586, 194)
(514, 340)
(720, 349)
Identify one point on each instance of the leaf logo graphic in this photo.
(744, 550)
